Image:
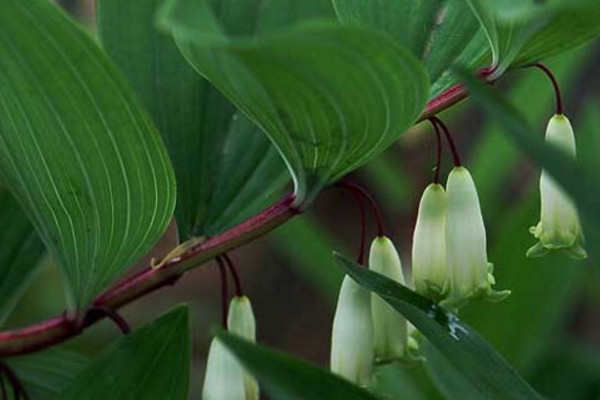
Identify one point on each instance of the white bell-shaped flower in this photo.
(352, 335)
(559, 227)
(429, 259)
(470, 272)
(224, 378)
(390, 327)
(241, 321)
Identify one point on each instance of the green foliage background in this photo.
(548, 329)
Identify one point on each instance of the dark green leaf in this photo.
(21, 251)
(44, 375)
(226, 168)
(151, 363)
(436, 32)
(568, 24)
(329, 96)
(285, 378)
(521, 32)
(468, 352)
(397, 381)
(580, 183)
(446, 377)
(571, 371)
(77, 150)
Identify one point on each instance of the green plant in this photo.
(202, 111)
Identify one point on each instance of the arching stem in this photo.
(236, 278)
(453, 149)
(557, 93)
(223, 274)
(438, 164)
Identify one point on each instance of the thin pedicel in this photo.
(236, 278)
(351, 186)
(223, 273)
(360, 258)
(550, 75)
(96, 313)
(17, 388)
(438, 164)
(453, 149)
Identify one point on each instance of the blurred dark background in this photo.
(549, 328)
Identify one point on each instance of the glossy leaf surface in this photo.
(77, 150)
(329, 96)
(226, 169)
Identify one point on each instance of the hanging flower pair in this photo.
(449, 255)
(365, 328)
(225, 377)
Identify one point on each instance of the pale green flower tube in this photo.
(470, 272)
(241, 321)
(559, 227)
(352, 335)
(390, 328)
(429, 260)
(224, 378)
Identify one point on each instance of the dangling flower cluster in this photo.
(450, 263)
(559, 228)
(225, 378)
(365, 328)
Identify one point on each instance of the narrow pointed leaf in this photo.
(226, 168)
(579, 182)
(76, 149)
(437, 32)
(328, 96)
(151, 363)
(521, 32)
(569, 24)
(285, 378)
(469, 353)
(21, 251)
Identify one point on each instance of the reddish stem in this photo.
(550, 75)
(223, 275)
(453, 149)
(360, 258)
(236, 278)
(438, 163)
(58, 329)
(353, 187)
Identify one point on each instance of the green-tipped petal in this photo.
(466, 244)
(241, 321)
(559, 228)
(429, 259)
(390, 327)
(352, 336)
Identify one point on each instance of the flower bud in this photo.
(559, 227)
(470, 272)
(429, 263)
(224, 378)
(240, 320)
(352, 336)
(389, 326)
